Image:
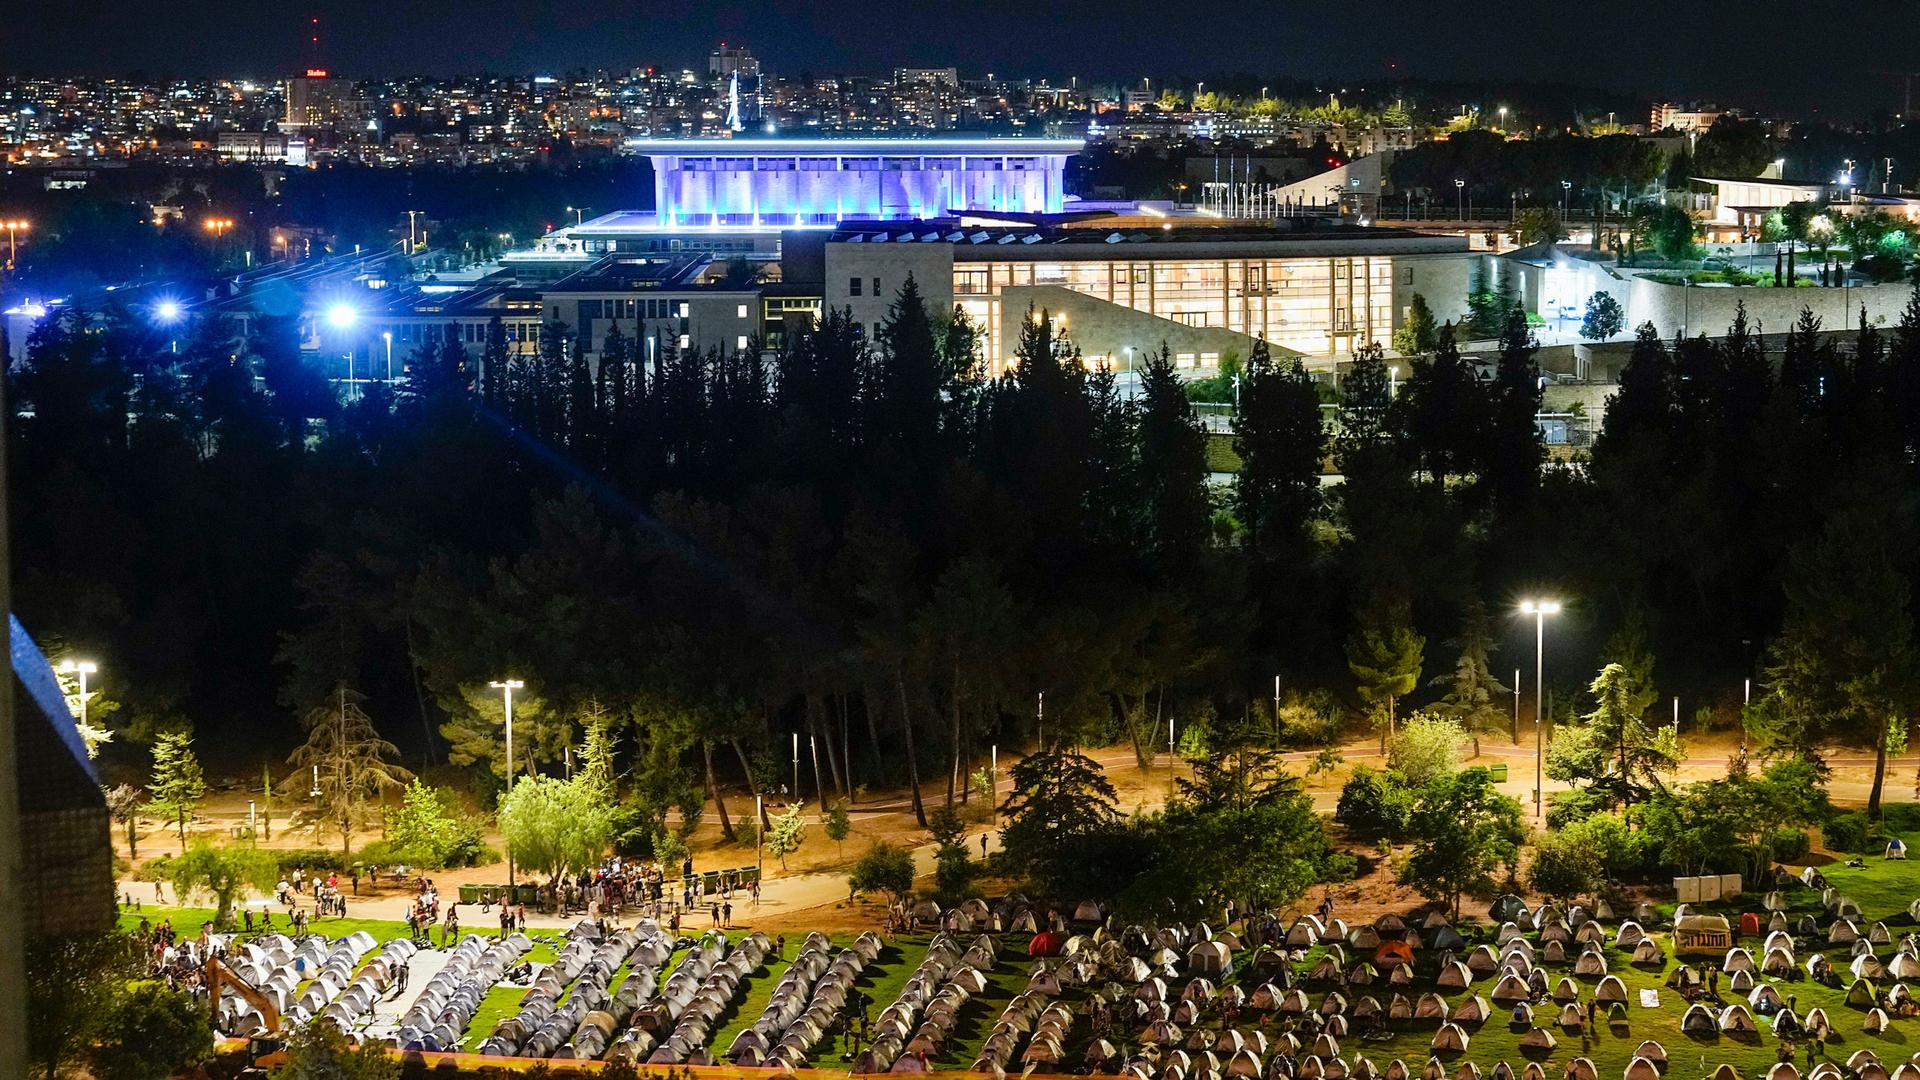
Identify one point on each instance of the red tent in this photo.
(1749, 924)
(1046, 943)
(1393, 951)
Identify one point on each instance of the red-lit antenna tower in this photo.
(314, 56)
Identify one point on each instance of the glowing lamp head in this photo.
(1540, 607)
(77, 667)
(167, 311)
(341, 316)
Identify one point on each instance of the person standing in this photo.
(726, 913)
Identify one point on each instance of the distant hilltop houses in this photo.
(321, 113)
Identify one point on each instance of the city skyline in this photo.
(1624, 49)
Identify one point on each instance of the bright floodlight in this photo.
(167, 311)
(1540, 607)
(342, 315)
(78, 667)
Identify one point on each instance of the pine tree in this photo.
(1173, 466)
(1511, 466)
(493, 366)
(1281, 440)
(178, 786)
(1446, 411)
(350, 764)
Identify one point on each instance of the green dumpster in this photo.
(1499, 772)
(470, 894)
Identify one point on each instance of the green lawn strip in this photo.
(1005, 980)
(187, 922)
(756, 992)
(882, 980)
(500, 1003)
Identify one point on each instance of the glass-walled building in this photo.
(1308, 305)
(1318, 288)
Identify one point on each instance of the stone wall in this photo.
(1709, 309)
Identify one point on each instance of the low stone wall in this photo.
(1709, 309)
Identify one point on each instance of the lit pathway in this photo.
(388, 1010)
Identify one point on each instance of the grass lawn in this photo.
(187, 922)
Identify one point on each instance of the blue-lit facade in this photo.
(798, 183)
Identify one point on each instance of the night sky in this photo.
(1798, 58)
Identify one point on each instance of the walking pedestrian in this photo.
(726, 913)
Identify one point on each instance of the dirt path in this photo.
(815, 880)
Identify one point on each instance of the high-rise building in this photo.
(319, 100)
(729, 60)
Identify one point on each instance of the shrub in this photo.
(152, 1031)
(309, 859)
(884, 868)
(1845, 832)
(1425, 748)
(1791, 845)
(428, 829)
(1566, 864)
(1375, 803)
(1566, 807)
(158, 868)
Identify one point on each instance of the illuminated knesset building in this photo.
(796, 183)
(734, 197)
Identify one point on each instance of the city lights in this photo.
(341, 316)
(167, 311)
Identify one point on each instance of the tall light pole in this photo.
(1566, 193)
(1539, 609)
(80, 669)
(1460, 188)
(14, 227)
(388, 335)
(506, 688)
(1516, 706)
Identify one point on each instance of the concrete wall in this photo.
(930, 264)
(1708, 309)
(1442, 279)
(1103, 329)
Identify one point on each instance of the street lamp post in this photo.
(1516, 706)
(1539, 609)
(1566, 193)
(1460, 190)
(14, 227)
(80, 669)
(388, 335)
(506, 688)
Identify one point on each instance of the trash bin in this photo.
(1499, 771)
(470, 894)
(527, 894)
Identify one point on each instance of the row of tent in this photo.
(582, 973)
(823, 996)
(355, 1000)
(445, 1006)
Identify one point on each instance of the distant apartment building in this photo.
(926, 76)
(730, 60)
(1693, 119)
(319, 101)
(261, 146)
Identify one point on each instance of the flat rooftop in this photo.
(1287, 237)
(854, 146)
